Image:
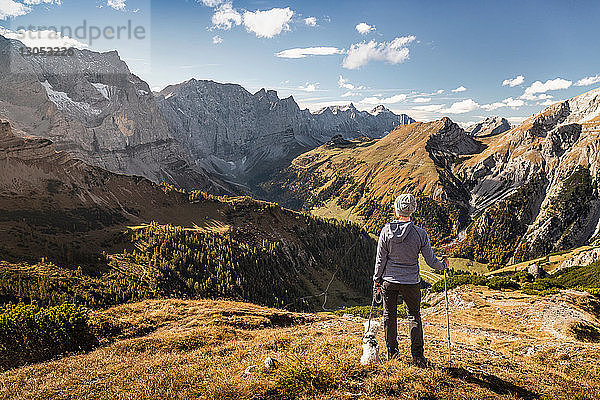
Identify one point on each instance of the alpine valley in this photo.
(493, 193)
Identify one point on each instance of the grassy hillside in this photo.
(504, 347)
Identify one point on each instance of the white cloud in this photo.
(35, 2)
(430, 107)
(516, 120)
(493, 106)
(364, 28)
(309, 51)
(309, 87)
(268, 24)
(310, 21)
(440, 91)
(212, 3)
(462, 107)
(384, 100)
(217, 39)
(516, 81)
(11, 9)
(343, 83)
(43, 38)
(539, 87)
(117, 4)
(513, 103)
(226, 16)
(422, 100)
(548, 102)
(509, 102)
(459, 89)
(349, 93)
(533, 97)
(394, 52)
(588, 80)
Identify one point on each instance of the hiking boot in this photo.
(421, 362)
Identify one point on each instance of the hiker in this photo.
(397, 272)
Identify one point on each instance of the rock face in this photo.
(244, 136)
(93, 107)
(232, 132)
(490, 126)
(581, 259)
(536, 271)
(541, 178)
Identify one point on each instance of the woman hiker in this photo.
(397, 272)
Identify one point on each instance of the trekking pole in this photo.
(447, 318)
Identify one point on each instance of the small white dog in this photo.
(370, 346)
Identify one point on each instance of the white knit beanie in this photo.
(405, 205)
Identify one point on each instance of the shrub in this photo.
(502, 282)
(29, 332)
(588, 276)
(543, 287)
(585, 332)
(523, 277)
(455, 281)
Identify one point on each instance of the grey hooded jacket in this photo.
(398, 251)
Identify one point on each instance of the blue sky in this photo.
(507, 58)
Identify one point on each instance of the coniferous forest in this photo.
(289, 265)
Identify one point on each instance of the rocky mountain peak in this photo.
(490, 126)
(341, 109)
(451, 138)
(584, 108)
(380, 109)
(270, 95)
(240, 135)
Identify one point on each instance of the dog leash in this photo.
(447, 319)
(376, 295)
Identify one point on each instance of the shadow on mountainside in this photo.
(491, 382)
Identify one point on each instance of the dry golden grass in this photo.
(174, 349)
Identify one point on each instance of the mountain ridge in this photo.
(92, 106)
(242, 135)
(510, 196)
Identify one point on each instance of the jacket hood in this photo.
(400, 229)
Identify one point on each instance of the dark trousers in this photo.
(412, 298)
